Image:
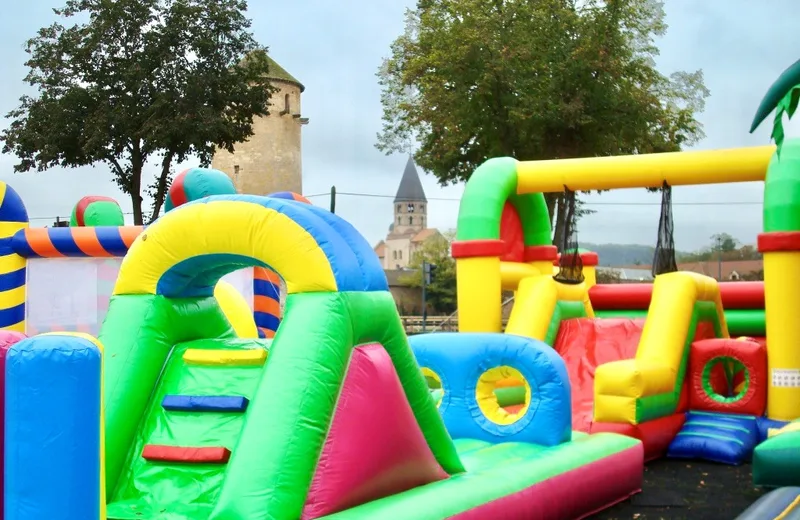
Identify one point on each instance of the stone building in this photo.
(409, 228)
(270, 160)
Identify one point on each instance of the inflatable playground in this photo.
(242, 358)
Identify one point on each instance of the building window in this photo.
(410, 221)
(410, 208)
(394, 254)
(399, 221)
(422, 207)
(399, 208)
(400, 255)
(286, 103)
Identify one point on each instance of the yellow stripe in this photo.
(12, 297)
(10, 263)
(3, 189)
(9, 229)
(17, 327)
(788, 509)
(249, 357)
(226, 227)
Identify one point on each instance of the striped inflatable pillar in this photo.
(13, 218)
(266, 301)
(54, 429)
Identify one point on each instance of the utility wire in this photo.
(453, 199)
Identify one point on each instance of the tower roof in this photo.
(410, 189)
(279, 73)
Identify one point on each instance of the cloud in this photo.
(335, 50)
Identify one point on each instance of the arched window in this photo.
(394, 255)
(410, 221)
(286, 103)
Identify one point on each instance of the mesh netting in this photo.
(570, 266)
(664, 256)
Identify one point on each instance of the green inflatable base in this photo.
(776, 461)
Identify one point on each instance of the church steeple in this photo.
(410, 203)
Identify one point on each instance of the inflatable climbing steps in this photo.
(194, 419)
(724, 438)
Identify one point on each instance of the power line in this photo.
(453, 199)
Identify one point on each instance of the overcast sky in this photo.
(335, 51)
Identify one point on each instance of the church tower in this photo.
(270, 160)
(409, 228)
(410, 203)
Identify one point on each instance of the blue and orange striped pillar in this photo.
(266, 301)
(13, 218)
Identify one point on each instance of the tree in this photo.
(606, 276)
(724, 242)
(468, 81)
(441, 291)
(140, 80)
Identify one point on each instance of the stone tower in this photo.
(410, 220)
(270, 160)
(410, 203)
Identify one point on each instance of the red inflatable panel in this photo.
(655, 435)
(725, 379)
(511, 233)
(586, 343)
(636, 296)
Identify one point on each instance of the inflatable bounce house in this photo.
(186, 394)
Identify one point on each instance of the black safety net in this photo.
(664, 256)
(570, 266)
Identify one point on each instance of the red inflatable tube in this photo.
(636, 296)
(728, 376)
(655, 435)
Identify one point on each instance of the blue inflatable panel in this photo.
(52, 429)
(765, 424)
(778, 503)
(459, 359)
(724, 438)
(204, 403)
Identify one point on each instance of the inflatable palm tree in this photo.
(782, 97)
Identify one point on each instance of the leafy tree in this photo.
(140, 80)
(441, 291)
(724, 242)
(550, 79)
(605, 276)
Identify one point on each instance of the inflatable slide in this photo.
(332, 419)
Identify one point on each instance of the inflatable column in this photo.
(780, 245)
(13, 218)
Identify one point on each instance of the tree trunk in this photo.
(161, 186)
(137, 163)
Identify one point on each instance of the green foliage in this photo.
(140, 80)
(441, 292)
(725, 246)
(470, 80)
(724, 242)
(605, 276)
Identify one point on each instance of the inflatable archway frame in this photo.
(478, 247)
(338, 299)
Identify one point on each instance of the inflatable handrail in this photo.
(649, 386)
(535, 305)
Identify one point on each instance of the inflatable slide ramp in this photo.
(192, 423)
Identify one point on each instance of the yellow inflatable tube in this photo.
(535, 305)
(649, 386)
(236, 309)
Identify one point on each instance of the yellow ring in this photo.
(487, 400)
(434, 383)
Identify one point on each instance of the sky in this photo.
(741, 45)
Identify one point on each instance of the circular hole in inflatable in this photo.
(503, 394)
(725, 379)
(434, 385)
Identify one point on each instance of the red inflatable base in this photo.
(655, 435)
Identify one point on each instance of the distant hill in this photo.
(618, 255)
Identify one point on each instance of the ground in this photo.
(688, 490)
